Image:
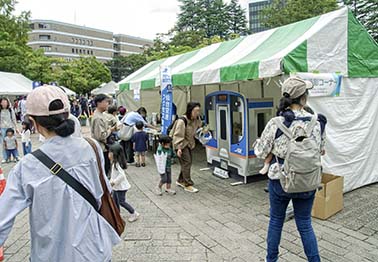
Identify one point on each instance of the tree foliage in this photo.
(366, 12)
(282, 12)
(122, 66)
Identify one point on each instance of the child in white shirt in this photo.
(118, 180)
(25, 138)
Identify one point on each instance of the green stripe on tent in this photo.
(184, 57)
(240, 72)
(148, 84)
(124, 87)
(362, 50)
(296, 60)
(247, 67)
(223, 49)
(185, 79)
(148, 70)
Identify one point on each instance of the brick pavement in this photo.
(223, 223)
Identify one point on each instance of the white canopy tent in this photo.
(110, 89)
(12, 84)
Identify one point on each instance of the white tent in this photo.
(14, 84)
(110, 89)
(331, 43)
(68, 91)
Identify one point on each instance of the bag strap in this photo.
(282, 127)
(311, 125)
(101, 174)
(57, 170)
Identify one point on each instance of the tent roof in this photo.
(68, 91)
(14, 84)
(331, 43)
(109, 88)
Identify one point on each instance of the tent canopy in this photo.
(331, 43)
(109, 89)
(14, 84)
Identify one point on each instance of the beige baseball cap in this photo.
(296, 87)
(39, 100)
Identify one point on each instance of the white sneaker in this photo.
(180, 184)
(170, 192)
(159, 191)
(265, 169)
(3, 161)
(134, 217)
(191, 189)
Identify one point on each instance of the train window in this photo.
(237, 119)
(260, 123)
(211, 122)
(223, 125)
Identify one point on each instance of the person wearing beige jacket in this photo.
(184, 142)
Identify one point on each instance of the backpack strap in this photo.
(282, 127)
(311, 125)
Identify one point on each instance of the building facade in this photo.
(70, 41)
(255, 7)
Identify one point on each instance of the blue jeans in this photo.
(27, 148)
(12, 152)
(3, 135)
(302, 203)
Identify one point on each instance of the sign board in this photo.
(325, 84)
(166, 98)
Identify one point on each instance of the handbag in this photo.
(126, 132)
(161, 161)
(108, 209)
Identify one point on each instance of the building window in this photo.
(76, 41)
(45, 48)
(91, 43)
(91, 52)
(31, 26)
(43, 26)
(44, 37)
(88, 52)
(80, 51)
(77, 51)
(80, 41)
(73, 40)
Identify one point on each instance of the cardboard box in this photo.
(329, 200)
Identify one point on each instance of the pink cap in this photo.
(39, 100)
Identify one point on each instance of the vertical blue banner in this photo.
(166, 98)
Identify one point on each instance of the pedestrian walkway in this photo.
(223, 223)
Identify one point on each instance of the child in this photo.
(10, 145)
(118, 180)
(25, 138)
(140, 140)
(165, 147)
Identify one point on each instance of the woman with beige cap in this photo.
(64, 226)
(291, 109)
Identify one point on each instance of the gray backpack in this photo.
(302, 166)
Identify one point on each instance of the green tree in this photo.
(189, 18)
(122, 66)
(237, 21)
(366, 12)
(40, 67)
(83, 75)
(285, 12)
(14, 52)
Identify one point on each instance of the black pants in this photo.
(120, 200)
(85, 111)
(129, 151)
(107, 164)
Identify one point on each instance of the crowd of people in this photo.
(121, 138)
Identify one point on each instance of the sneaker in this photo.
(137, 165)
(134, 217)
(3, 161)
(143, 164)
(180, 184)
(159, 191)
(191, 189)
(170, 191)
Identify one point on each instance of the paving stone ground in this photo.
(222, 223)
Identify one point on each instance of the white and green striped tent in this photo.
(333, 42)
